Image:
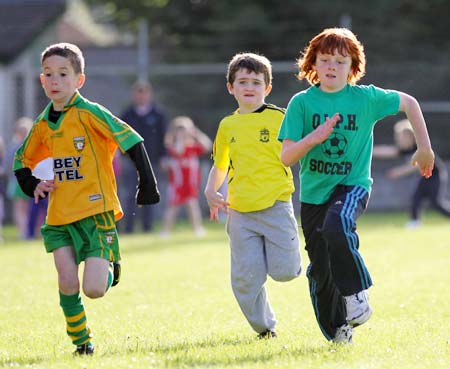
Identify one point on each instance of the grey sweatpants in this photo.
(262, 243)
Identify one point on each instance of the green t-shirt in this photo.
(345, 157)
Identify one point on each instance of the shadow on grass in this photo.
(224, 352)
(139, 243)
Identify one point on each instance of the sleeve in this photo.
(221, 150)
(292, 125)
(31, 152)
(147, 190)
(27, 181)
(26, 157)
(385, 102)
(112, 127)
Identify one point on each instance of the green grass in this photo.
(174, 307)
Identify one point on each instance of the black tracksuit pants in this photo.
(336, 268)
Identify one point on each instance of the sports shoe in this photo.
(116, 273)
(413, 224)
(343, 335)
(267, 335)
(86, 349)
(358, 308)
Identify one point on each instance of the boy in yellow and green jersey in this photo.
(81, 137)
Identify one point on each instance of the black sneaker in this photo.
(86, 349)
(267, 334)
(116, 273)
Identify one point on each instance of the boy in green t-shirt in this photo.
(329, 129)
(261, 224)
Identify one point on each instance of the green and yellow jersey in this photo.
(82, 144)
(247, 145)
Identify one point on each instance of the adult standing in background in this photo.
(150, 121)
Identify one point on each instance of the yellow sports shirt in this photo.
(82, 144)
(247, 145)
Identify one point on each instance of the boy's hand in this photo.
(322, 132)
(425, 160)
(146, 196)
(216, 201)
(43, 188)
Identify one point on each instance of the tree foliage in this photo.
(213, 30)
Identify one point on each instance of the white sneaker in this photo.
(358, 308)
(343, 335)
(413, 224)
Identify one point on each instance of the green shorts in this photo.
(91, 236)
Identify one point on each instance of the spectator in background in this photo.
(3, 172)
(434, 188)
(185, 143)
(20, 201)
(150, 121)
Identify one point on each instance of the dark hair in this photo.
(253, 63)
(66, 50)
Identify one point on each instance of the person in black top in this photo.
(150, 121)
(434, 188)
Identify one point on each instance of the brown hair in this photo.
(252, 63)
(66, 50)
(329, 41)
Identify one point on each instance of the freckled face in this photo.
(59, 80)
(333, 71)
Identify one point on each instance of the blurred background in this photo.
(183, 47)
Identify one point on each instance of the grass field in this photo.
(174, 307)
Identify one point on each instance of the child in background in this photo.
(185, 143)
(82, 138)
(2, 185)
(261, 225)
(434, 188)
(20, 201)
(329, 129)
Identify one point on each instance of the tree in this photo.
(213, 30)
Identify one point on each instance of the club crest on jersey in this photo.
(78, 143)
(110, 237)
(264, 135)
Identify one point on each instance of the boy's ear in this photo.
(230, 88)
(268, 89)
(81, 80)
(41, 78)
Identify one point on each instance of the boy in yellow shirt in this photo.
(261, 224)
(82, 138)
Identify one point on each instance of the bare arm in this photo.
(215, 199)
(385, 151)
(424, 156)
(401, 171)
(202, 139)
(292, 152)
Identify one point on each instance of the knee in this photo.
(333, 232)
(68, 285)
(248, 285)
(94, 292)
(287, 274)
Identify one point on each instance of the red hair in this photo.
(330, 41)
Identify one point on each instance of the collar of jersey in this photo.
(316, 89)
(76, 98)
(259, 110)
